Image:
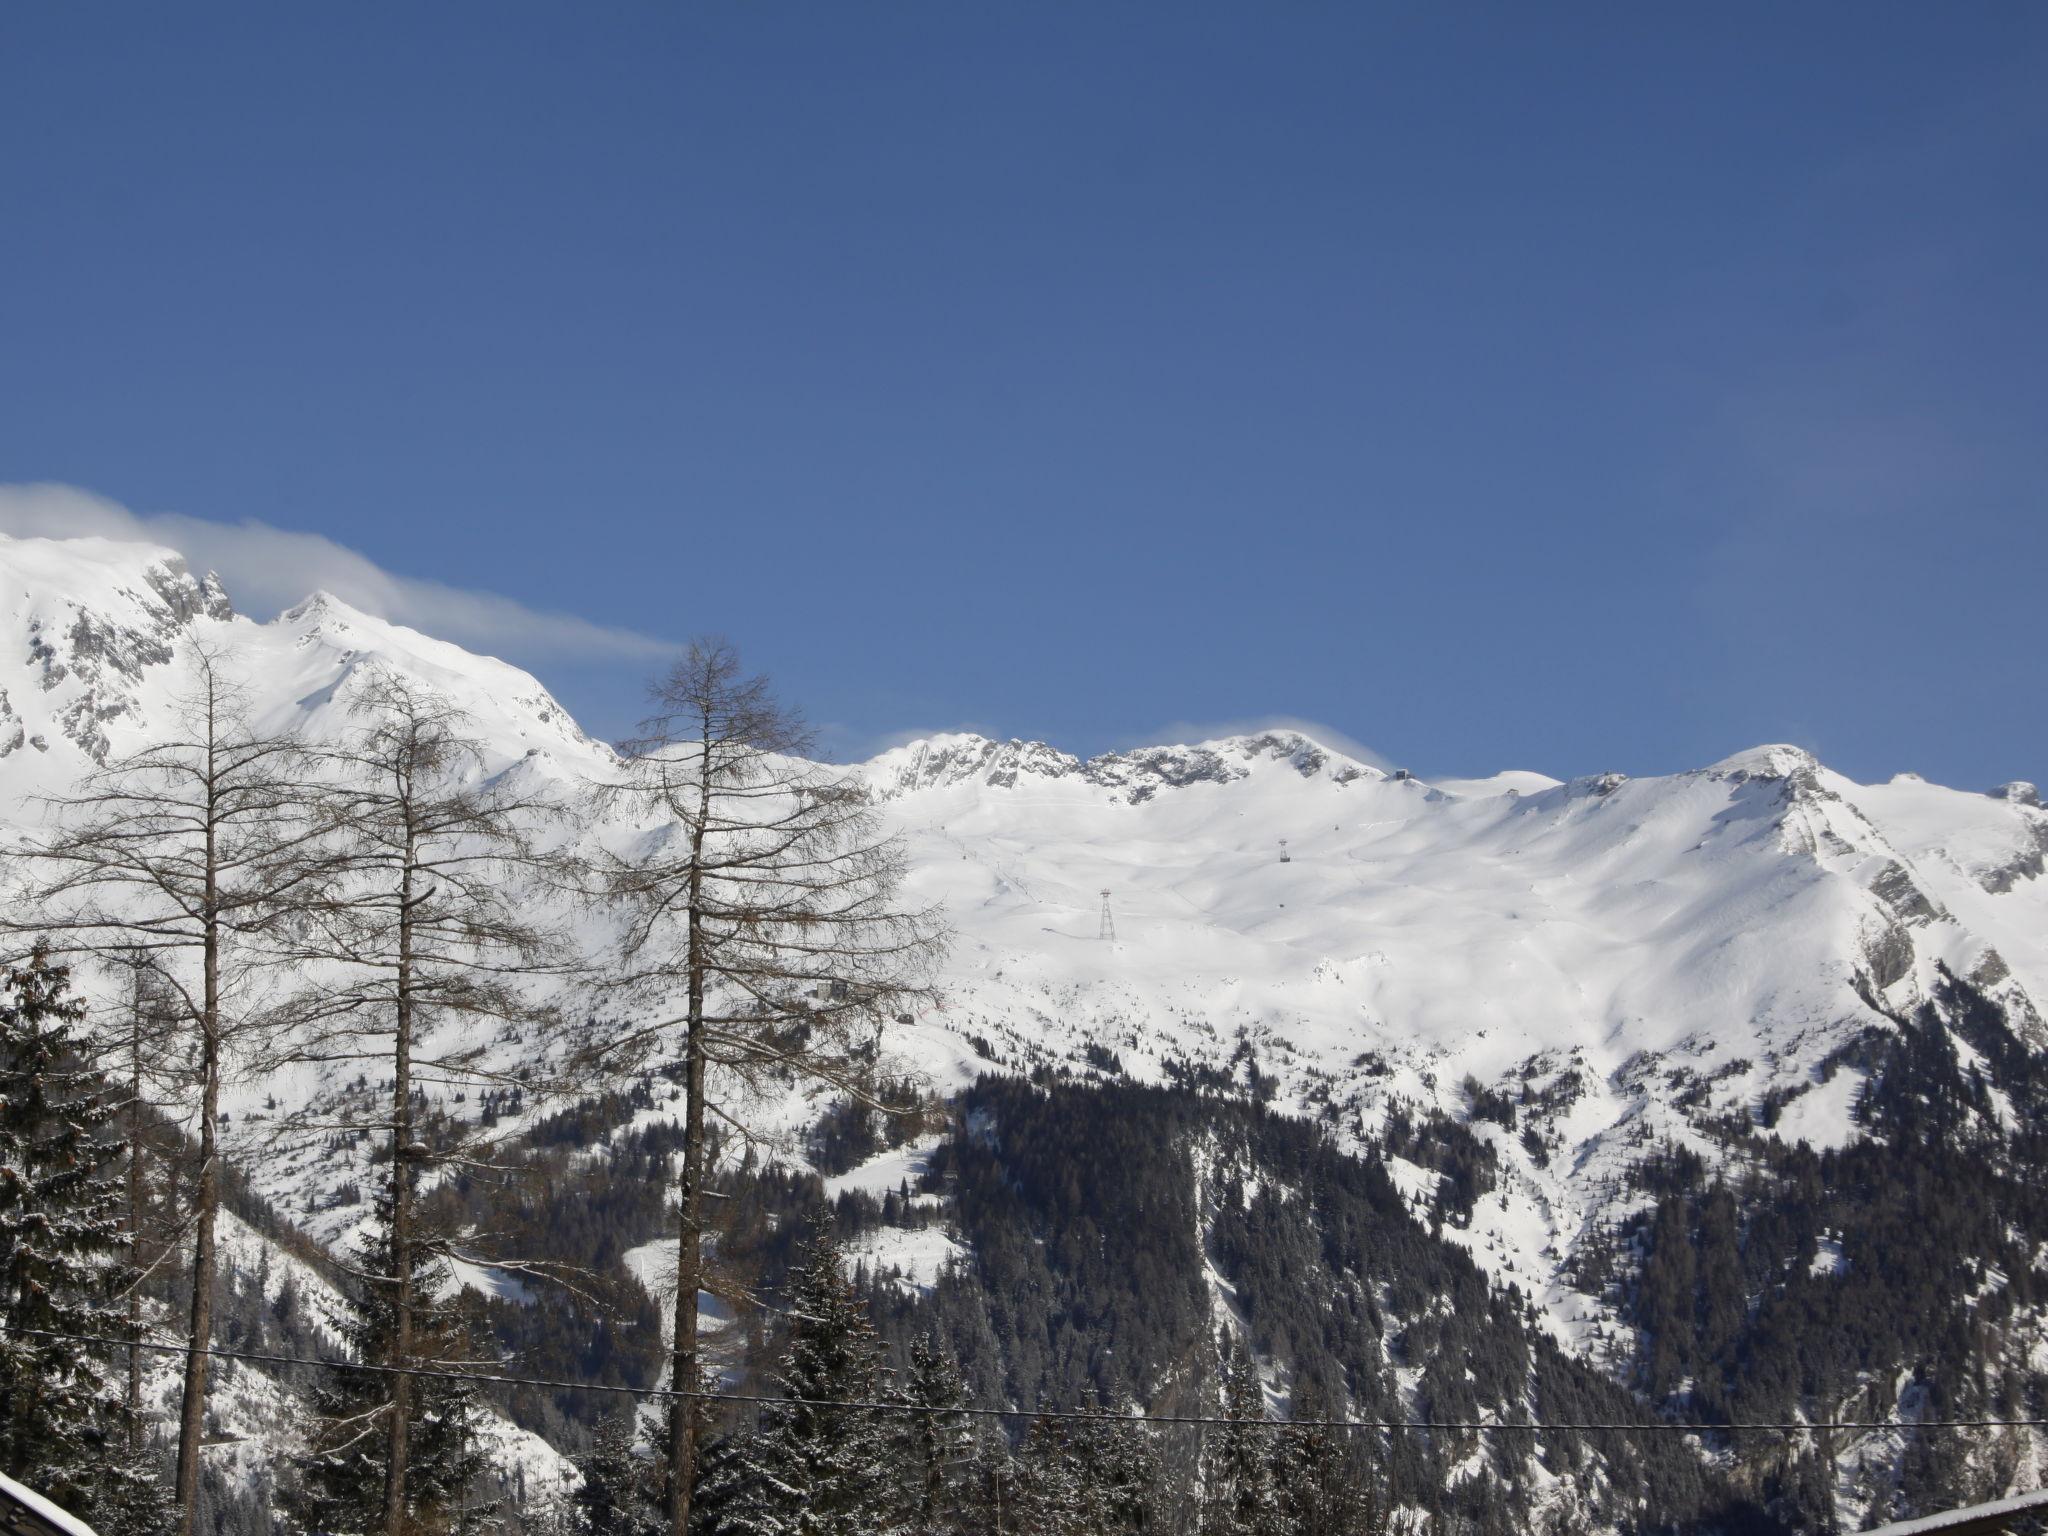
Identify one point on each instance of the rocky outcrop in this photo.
(92, 659)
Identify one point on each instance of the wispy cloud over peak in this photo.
(266, 570)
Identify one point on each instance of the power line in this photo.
(1082, 1415)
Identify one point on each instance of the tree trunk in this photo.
(682, 1431)
(689, 1280)
(396, 1446)
(192, 1413)
(134, 1395)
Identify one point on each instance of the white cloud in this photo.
(266, 570)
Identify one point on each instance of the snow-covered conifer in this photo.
(61, 1425)
(936, 1449)
(1238, 1497)
(812, 1469)
(613, 1499)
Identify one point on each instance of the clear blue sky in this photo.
(1565, 387)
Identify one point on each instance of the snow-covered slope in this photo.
(1750, 909)
(1656, 951)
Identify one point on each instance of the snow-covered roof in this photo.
(24, 1512)
(1977, 1520)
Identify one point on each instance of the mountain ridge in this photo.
(1636, 963)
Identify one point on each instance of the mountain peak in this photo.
(1134, 774)
(1773, 760)
(321, 607)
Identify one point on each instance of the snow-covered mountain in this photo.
(92, 632)
(1635, 960)
(1731, 925)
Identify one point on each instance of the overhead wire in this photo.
(1099, 1416)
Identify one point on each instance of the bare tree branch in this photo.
(764, 888)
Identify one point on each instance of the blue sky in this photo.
(1570, 388)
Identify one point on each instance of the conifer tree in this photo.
(344, 1477)
(137, 1501)
(133, 1499)
(1050, 1499)
(1238, 1497)
(937, 1448)
(813, 1470)
(1323, 1482)
(838, 1457)
(1092, 1476)
(614, 1499)
(62, 1429)
(1120, 1470)
(421, 940)
(737, 1490)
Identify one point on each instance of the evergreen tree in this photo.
(1097, 1475)
(1322, 1481)
(1238, 1497)
(812, 1470)
(343, 1477)
(938, 1447)
(62, 1428)
(614, 1499)
(134, 1499)
(738, 1493)
(1119, 1471)
(1051, 1498)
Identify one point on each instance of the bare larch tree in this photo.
(146, 1028)
(180, 857)
(421, 939)
(765, 891)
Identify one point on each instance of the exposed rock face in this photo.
(1797, 768)
(1892, 884)
(2029, 864)
(91, 654)
(967, 759)
(185, 596)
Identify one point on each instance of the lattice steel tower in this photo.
(1108, 928)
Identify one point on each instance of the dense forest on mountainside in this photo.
(1106, 1230)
